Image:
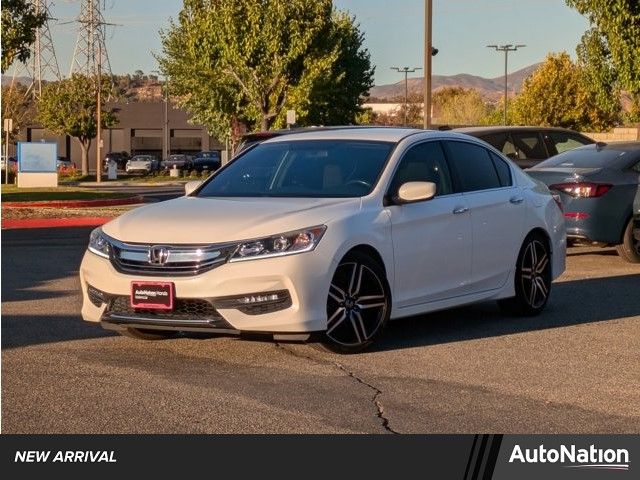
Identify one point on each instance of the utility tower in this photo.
(42, 63)
(90, 54)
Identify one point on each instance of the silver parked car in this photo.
(143, 164)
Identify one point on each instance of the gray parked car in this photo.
(143, 164)
(180, 160)
(598, 185)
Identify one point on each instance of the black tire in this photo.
(358, 304)
(629, 249)
(144, 334)
(532, 278)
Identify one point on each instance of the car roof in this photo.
(510, 128)
(382, 134)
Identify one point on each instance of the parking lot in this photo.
(573, 369)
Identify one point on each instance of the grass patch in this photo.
(12, 193)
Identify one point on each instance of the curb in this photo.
(26, 223)
(76, 203)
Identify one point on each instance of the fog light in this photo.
(256, 303)
(259, 299)
(97, 297)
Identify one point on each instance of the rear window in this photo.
(588, 158)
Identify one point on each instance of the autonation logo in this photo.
(573, 457)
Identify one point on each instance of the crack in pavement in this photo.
(377, 392)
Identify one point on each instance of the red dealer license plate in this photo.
(158, 295)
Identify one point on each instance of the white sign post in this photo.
(8, 127)
(291, 118)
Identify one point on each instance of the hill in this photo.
(490, 88)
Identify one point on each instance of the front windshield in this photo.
(310, 168)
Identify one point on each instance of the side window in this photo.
(504, 172)
(424, 163)
(502, 142)
(473, 165)
(497, 140)
(529, 145)
(565, 141)
(636, 167)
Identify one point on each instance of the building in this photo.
(140, 130)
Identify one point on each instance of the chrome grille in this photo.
(173, 260)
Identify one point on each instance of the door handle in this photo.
(458, 210)
(516, 200)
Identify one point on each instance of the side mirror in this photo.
(412, 192)
(189, 187)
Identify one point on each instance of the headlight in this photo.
(279, 245)
(99, 244)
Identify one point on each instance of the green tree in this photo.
(459, 106)
(336, 98)
(233, 62)
(69, 107)
(19, 24)
(617, 23)
(17, 105)
(600, 79)
(555, 95)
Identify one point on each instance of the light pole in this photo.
(506, 49)
(428, 53)
(99, 116)
(406, 71)
(165, 128)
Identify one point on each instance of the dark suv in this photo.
(210, 161)
(528, 146)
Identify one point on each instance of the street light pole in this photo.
(428, 53)
(167, 137)
(506, 49)
(99, 117)
(406, 71)
(166, 149)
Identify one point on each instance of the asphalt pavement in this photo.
(574, 369)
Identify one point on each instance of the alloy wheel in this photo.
(535, 275)
(357, 304)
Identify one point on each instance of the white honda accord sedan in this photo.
(330, 232)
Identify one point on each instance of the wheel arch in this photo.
(544, 233)
(371, 252)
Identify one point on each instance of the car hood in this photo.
(215, 220)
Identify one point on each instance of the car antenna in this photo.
(600, 145)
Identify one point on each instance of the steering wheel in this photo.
(360, 182)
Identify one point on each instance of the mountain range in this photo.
(492, 89)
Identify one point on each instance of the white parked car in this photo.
(142, 163)
(330, 232)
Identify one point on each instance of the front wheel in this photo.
(532, 279)
(629, 249)
(358, 304)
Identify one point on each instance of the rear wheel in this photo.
(629, 249)
(146, 334)
(358, 304)
(532, 279)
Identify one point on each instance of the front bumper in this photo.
(306, 278)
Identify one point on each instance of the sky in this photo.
(393, 33)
